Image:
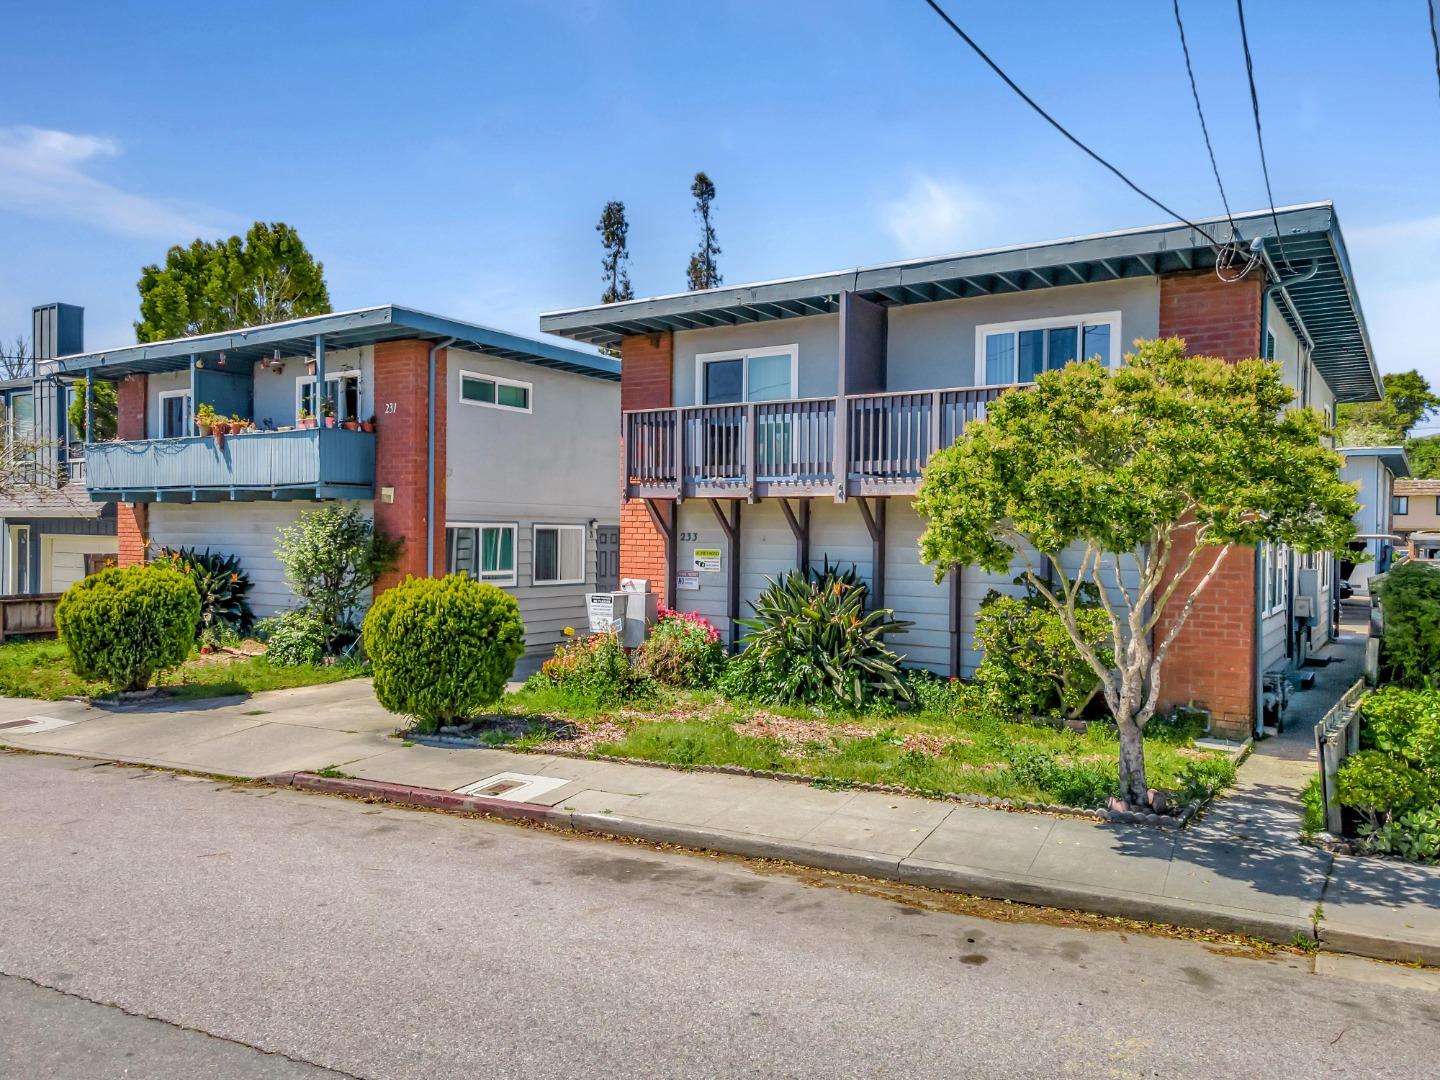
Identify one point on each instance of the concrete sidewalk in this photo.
(1240, 869)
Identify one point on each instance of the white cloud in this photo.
(932, 218)
(46, 174)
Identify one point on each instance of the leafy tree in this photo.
(1424, 457)
(1408, 400)
(330, 557)
(104, 409)
(614, 232)
(703, 273)
(268, 276)
(1141, 474)
(17, 363)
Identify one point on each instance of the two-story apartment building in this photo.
(485, 452)
(1415, 506)
(780, 423)
(1374, 470)
(51, 533)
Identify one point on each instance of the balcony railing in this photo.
(312, 463)
(778, 448)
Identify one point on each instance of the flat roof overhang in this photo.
(341, 330)
(1326, 304)
(1393, 458)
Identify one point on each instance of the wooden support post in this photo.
(730, 526)
(667, 528)
(955, 620)
(191, 427)
(752, 451)
(800, 529)
(875, 526)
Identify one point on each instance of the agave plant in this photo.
(815, 634)
(222, 585)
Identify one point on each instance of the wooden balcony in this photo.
(866, 444)
(308, 463)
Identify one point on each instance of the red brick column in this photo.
(1212, 663)
(646, 363)
(132, 520)
(401, 438)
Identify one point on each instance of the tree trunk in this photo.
(1132, 763)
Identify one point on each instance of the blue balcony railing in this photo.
(313, 463)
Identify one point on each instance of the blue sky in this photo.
(455, 156)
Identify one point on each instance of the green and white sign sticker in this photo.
(707, 560)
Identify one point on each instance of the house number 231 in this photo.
(390, 407)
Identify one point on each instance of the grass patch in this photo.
(927, 752)
(41, 669)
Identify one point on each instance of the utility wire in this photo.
(1227, 257)
(934, 6)
(1260, 138)
(1435, 41)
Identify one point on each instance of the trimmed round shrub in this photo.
(121, 626)
(442, 649)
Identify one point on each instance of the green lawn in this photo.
(40, 669)
(930, 753)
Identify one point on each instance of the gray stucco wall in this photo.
(818, 337)
(557, 464)
(932, 346)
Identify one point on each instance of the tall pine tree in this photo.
(614, 231)
(704, 272)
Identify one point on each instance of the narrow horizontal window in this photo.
(494, 392)
(1018, 352)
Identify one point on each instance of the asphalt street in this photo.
(155, 926)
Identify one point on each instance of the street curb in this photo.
(946, 877)
(1379, 947)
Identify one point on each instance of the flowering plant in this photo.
(683, 649)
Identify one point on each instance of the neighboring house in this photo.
(786, 422)
(1374, 470)
(51, 533)
(516, 486)
(1415, 509)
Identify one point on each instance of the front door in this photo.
(19, 560)
(607, 558)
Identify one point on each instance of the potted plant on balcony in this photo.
(368, 425)
(204, 418)
(327, 410)
(304, 419)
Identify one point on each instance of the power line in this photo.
(1435, 41)
(934, 6)
(1230, 254)
(1260, 138)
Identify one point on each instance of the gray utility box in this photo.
(606, 612)
(642, 608)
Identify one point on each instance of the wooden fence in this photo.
(1337, 736)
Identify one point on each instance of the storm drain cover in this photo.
(513, 786)
(33, 725)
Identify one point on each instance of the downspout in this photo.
(1275, 284)
(430, 458)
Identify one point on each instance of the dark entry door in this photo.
(607, 558)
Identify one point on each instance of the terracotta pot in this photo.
(307, 422)
(329, 421)
(220, 427)
(367, 426)
(351, 425)
(204, 429)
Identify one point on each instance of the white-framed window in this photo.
(493, 392)
(1274, 565)
(770, 373)
(176, 411)
(1400, 505)
(484, 550)
(342, 391)
(19, 576)
(1017, 352)
(559, 555)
